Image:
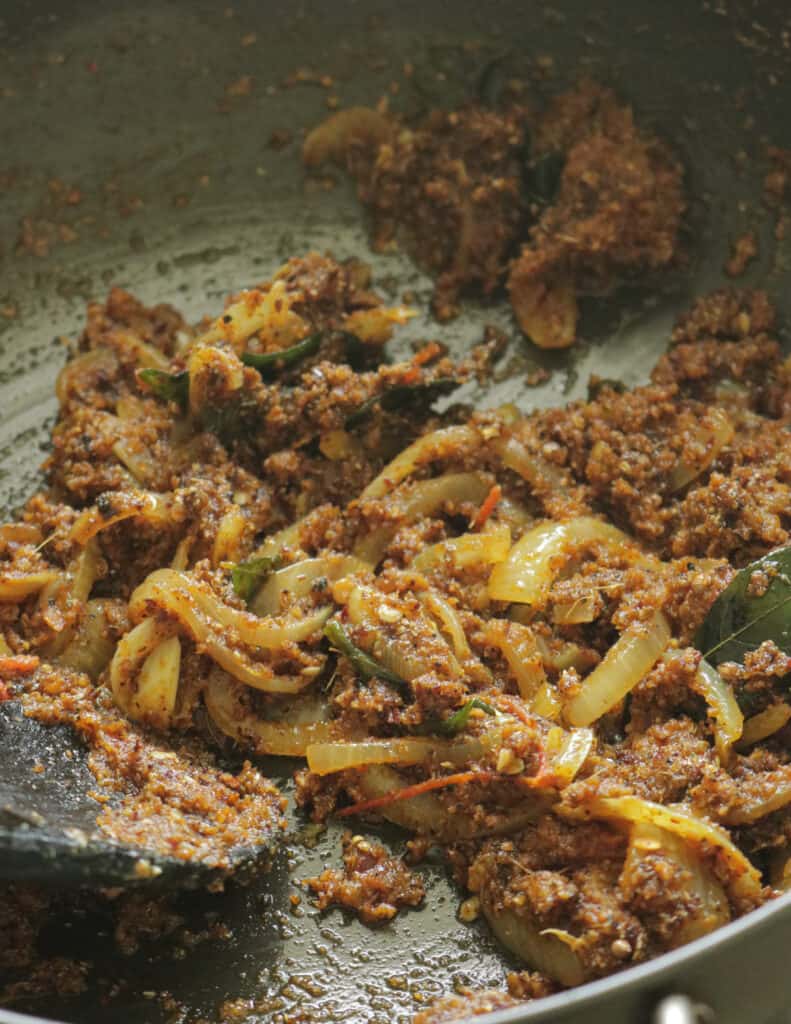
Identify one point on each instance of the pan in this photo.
(156, 146)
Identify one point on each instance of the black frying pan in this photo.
(182, 199)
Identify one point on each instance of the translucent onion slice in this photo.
(745, 880)
(15, 587)
(70, 380)
(441, 444)
(285, 539)
(199, 608)
(154, 700)
(525, 576)
(297, 580)
(229, 536)
(448, 620)
(728, 720)
(575, 611)
(208, 621)
(630, 658)
(424, 498)
(132, 650)
(533, 469)
(767, 793)
(374, 326)
(714, 438)
(520, 650)
(115, 506)
(765, 723)
(91, 649)
(486, 548)
(305, 722)
(708, 910)
(567, 752)
(139, 463)
(253, 311)
(427, 814)
(547, 703)
(542, 949)
(398, 653)
(324, 758)
(73, 587)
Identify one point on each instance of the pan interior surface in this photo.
(133, 156)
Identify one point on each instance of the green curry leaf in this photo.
(739, 622)
(272, 361)
(458, 720)
(170, 387)
(247, 577)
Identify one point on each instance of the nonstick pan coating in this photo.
(182, 198)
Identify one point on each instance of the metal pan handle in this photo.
(678, 1009)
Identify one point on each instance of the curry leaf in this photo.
(366, 666)
(458, 720)
(247, 577)
(739, 622)
(401, 395)
(269, 361)
(170, 387)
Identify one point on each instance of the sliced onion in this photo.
(202, 615)
(228, 539)
(441, 444)
(574, 611)
(520, 650)
(725, 712)
(374, 326)
(767, 794)
(257, 311)
(631, 657)
(73, 587)
(486, 548)
(542, 949)
(765, 723)
(306, 720)
(423, 498)
(398, 652)
(138, 463)
(132, 650)
(286, 539)
(567, 752)
(15, 587)
(198, 608)
(90, 650)
(116, 506)
(297, 580)
(145, 355)
(698, 916)
(525, 576)
(547, 703)
(448, 620)
(545, 310)
(534, 470)
(702, 835)
(715, 437)
(324, 758)
(70, 380)
(428, 815)
(154, 700)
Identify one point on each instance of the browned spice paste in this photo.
(479, 626)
